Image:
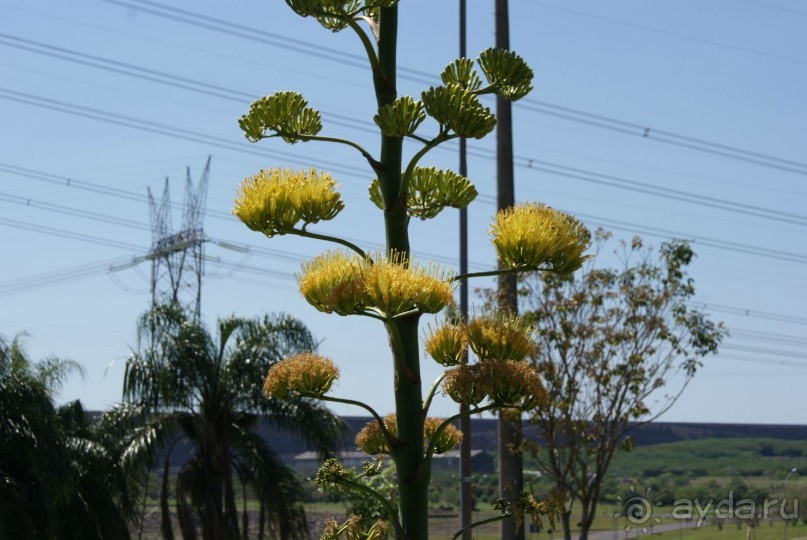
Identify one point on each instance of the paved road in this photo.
(636, 532)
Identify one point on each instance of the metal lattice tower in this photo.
(177, 258)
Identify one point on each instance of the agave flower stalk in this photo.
(390, 286)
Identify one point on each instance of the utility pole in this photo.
(466, 502)
(511, 475)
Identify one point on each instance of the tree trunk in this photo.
(143, 506)
(587, 518)
(187, 524)
(564, 520)
(230, 509)
(261, 520)
(165, 511)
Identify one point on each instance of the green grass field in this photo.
(706, 468)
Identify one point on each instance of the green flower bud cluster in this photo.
(429, 191)
(507, 72)
(285, 114)
(401, 117)
(332, 14)
(335, 15)
(461, 71)
(332, 472)
(457, 109)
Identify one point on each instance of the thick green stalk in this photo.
(412, 471)
(413, 480)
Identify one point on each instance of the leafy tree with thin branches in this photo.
(616, 347)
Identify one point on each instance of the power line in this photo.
(551, 168)
(523, 161)
(162, 129)
(657, 191)
(768, 361)
(128, 195)
(250, 33)
(146, 74)
(67, 234)
(778, 8)
(779, 317)
(290, 256)
(28, 283)
(669, 33)
(666, 233)
(767, 337)
(56, 277)
(485, 199)
(735, 247)
(278, 40)
(666, 137)
(85, 214)
(764, 350)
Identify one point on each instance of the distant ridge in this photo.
(483, 433)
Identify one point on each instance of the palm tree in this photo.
(202, 391)
(58, 479)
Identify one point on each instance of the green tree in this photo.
(608, 343)
(389, 286)
(59, 477)
(183, 385)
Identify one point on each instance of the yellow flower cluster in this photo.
(333, 282)
(275, 200)
(394, 285)
(505, 382)
(351, 529)
(341, 283)
(500, 337)
(307, 374)
(467, 384)
(537, 236)
(446, 440)
(446, 344)
(514, 383)
(371, 439)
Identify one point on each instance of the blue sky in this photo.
(116, 95)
